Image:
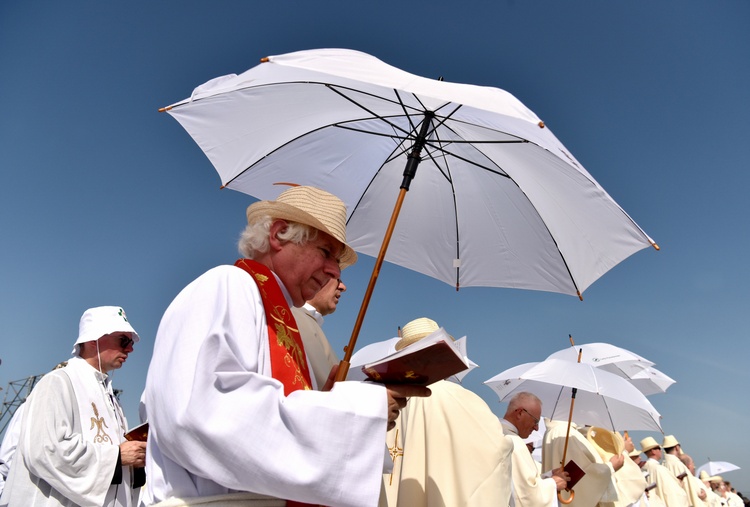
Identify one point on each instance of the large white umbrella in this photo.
(638, 370)
(602, 398)
(497, 201)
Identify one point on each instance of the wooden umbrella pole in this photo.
(344, 364)
(567, 433)
(413, 160)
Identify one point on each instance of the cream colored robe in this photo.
(667, 486)
(320, 355)
(597, 484)
(529, 489)
(629, 483)
(448, 450)
(692, 488)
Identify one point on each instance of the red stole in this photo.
(288, 360)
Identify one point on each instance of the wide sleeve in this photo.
(54, 448)
(529, 488)
(215, 411)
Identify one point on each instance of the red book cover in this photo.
(575, 472)
(139, 433)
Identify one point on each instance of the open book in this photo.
(139, 433)
(434, 357)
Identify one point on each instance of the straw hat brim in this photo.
(280, 210)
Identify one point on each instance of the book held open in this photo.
(432, 358)
(139, 433)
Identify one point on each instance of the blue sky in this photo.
(103, 200)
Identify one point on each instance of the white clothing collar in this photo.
(314, 313)
(284, 291)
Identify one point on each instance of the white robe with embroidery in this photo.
(219, 423)
(67, 450)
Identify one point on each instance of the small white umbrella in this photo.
(716, 468)
(623, 362)
(602, 399)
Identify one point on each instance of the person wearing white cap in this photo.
(530, 489)
(668, 487)
(309, 319)
(233, 417)
(72, 449)
(447, 449)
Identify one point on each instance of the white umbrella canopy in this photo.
(716, 468)
(638, 370)
(603, 399)
(497, 199)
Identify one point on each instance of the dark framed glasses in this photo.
(126, 341)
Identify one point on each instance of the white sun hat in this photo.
(100, 321)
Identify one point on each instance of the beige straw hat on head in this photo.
(649, 443)
(669, 441)
(416, 330)
(309, 206)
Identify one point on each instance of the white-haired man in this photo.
(71, 448)
(529, 489)
(228, 394)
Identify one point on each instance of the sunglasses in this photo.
(126, 341)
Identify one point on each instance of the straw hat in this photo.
(669, 441)
(649, 443)
(716, 478)
(607, 443)
(416, 330)
(635, 453)
(704, 476)
(309, 206)
(100, 321)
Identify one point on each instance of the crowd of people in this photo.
(242, 407)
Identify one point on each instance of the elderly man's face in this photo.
(305, 269)
(528, 419)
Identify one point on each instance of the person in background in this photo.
(309, 319)
(668, 487)
(530, 489)
(71, 448)
(447, 449)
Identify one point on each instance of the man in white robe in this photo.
(530, 489)
(221, 423)
(448, 449)
(310, 321)
(71, 447)
(668, 488)
(597, 483)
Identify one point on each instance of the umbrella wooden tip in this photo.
(264, 60)
(541, 124)
(656, 247)
(164, 109)
(580, 297)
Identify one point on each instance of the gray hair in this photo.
(519, 400)
(254, 240)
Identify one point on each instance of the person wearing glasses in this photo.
(71, 448)
(530, 488)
